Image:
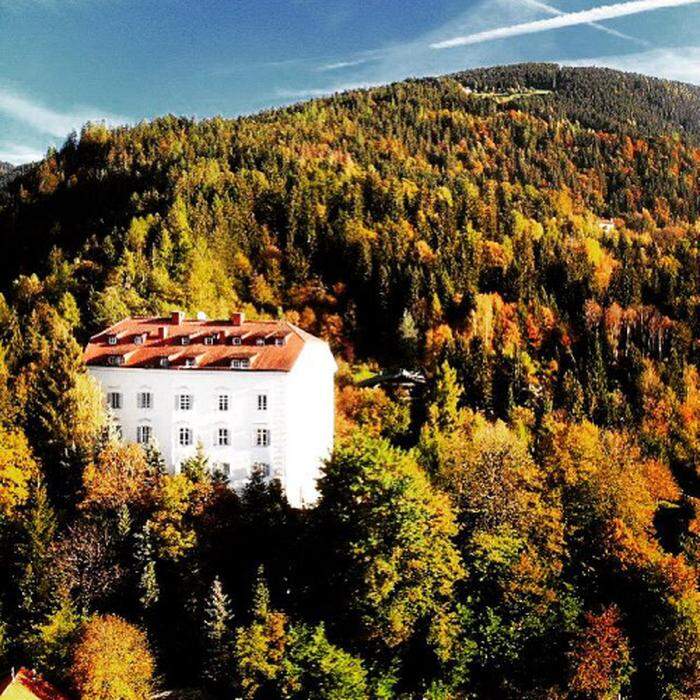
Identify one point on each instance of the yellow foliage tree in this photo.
(17, 469)
(119, 476)
(112, 661)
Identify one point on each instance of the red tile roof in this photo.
(28, 685)
(142, 342)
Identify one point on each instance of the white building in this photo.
(255, 394)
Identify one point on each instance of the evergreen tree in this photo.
(40, 531)
(442, 413)
(261, 595)
(154, 458)
(408, 335)
(145, 560)
(218, 643)
(196, 468)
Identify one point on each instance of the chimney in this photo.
(177, 317)
(237, 318)
(162, 332)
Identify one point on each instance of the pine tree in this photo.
(154, 458)
(40, 529)
(196, 468)
(448, 392)
(148, 582)
(123, 521)
(261, 595)
(218, 644)
(408, 334)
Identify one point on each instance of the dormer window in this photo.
(240, 363)
(185, 340)
(140, 339)
(260, 341)
(190, 362)
(237, 340)
(115, 360)
(279, 341)
(163, 362)
(111, 339)
(209, 340)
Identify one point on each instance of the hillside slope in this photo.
(528, 527)
(598, 98)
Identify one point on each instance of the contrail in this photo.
(570, 19)
(600, 27)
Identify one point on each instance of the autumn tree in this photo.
(119, 476)
(18, 468)
(112, 661)
(260, 647)
(601, 657)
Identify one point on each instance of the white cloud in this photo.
(17, 153)
(600, 27)
(50, 121)
(682, 63)
(303, 93)
(570, 19)
(345, 64)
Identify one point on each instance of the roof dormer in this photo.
(240, 363)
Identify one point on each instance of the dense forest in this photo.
(524, 527)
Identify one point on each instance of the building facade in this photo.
(257, 395)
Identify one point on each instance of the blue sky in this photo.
(63, 62)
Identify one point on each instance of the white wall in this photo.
(299, 415)
(310, 420)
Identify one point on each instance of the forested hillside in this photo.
(598, 98)
(527, 527)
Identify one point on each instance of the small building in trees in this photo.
(257, 395)
(606, 225)
(28, 685)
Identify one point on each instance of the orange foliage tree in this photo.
(601, 658)
(119, 476)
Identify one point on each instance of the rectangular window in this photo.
(190, 362)
(260, 341)
(144, 399)
(236, 340)
(164, 361)
(262, 402)
(144, 434)
(114, 400)
(223, 438)
(209, 340)
(223, 402)
(185, 437)
(115, 360)
(185, 340)
(225, 468)
(262, 437)
(240, 364)
(112, 339)
(183, 402)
